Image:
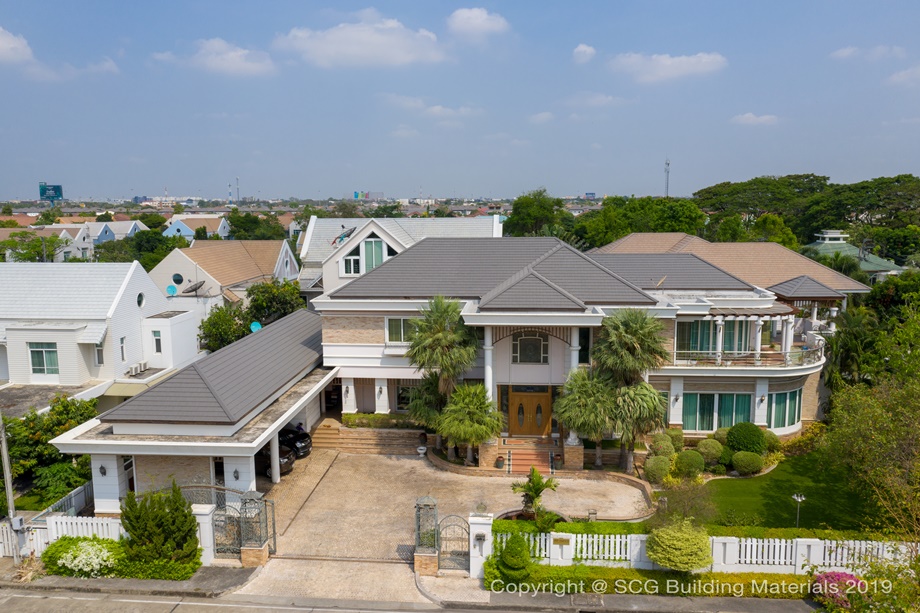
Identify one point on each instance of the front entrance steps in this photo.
(330, 434)
(527, 452)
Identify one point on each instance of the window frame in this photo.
(157, 342)
(516, 338)
(43, 351)
(404, 330)
(693, 399)
(99, 353)
(352, 260)
(121, 344)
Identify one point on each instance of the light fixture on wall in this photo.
(379, 392)
(676, 397)
(763, 398)
(236, 474)
(346, 391)
(102, 470)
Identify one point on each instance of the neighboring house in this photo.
(835, 241)
(537, 305)
(224, 268)
(330, 260)
(86, 325)
(206, 423)
(103, 231)
(77, 244)
(185, 226)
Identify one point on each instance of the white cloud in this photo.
(750, 119)
(911, 76)
(372, 41)
(411, 103)
(476, 23)
(582, 54)
(879, 52)
(593, 100)
(221, 57)
(404, 131)
(543, 117)
(14, 49)
(662, 67)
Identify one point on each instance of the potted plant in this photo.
(500, 462)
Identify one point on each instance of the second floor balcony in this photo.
(800, 355)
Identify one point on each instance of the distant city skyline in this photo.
(461, 100)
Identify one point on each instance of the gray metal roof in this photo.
(487, 267)
(803, 288)
(530, 290)
(669, 271)
(224, 387)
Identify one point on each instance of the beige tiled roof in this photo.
(46, 232)
(232, 262)
(22, 220)
(211, 223)
(762, 264)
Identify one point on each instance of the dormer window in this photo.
(353, 262)
(373, 254)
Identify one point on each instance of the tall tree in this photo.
(586, 407)
(441, 343)
(638, 410)
(629, 344)
(470, 418)
(533, 210)
(27, 246)
(49, 216)
(273, 300)
(771, 228)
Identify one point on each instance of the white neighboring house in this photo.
(77, 243)
(331, 259)
(86, 326)
(185, 226)
(104, 231)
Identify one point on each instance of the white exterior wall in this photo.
(553, 373)
(177, 262)
(4, 365)
(126, 318)
(309, 416)
(247, 467)
(178, 340)
(107, 490)
(71, 364)
(334, 266)
(286, 268)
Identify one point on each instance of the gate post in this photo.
(481, 542)
(426, 537)
(204, 515)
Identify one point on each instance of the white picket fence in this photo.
(6, 540)
(103, 527)
(602, 547)
(765, 551)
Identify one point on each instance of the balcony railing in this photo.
(798, 356)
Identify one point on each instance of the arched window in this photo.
(530, 348)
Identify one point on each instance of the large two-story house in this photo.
(538, 303)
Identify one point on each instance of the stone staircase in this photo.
(330, 434)
(529, 452)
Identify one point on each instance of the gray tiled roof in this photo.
(530, 290)
(669, 271)
(485, 267)
(804, 287)
(227, 385)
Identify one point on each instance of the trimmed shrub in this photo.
(82, 557)
(718, 470)
(725, 459)
(721, 435)
(160, 526)
(680, 546)
(745, 436)
(747, 463)
(689, 463)
(657, 468)
(711, 450)
(662, 448)
(660, 436)
(677, 438)
(772, 441)
(514, 563)
(810, 439)
(831, 589)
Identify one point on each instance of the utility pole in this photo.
(8, 483)
(238, 189)
(667, 175)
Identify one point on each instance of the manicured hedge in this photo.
(661, 448)
(121, 566)
(689, 463)
(711, 450)
(374, 420)
(677, 438)
(745, 436)
(657, 468)
(747, 463)
(507, 526)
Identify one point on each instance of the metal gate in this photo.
(454, 543)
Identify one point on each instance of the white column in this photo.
(785, 336)
(814, 311)
(106, 491)
(381, 396)
(761, 390)
(720, 335)
(276, 460)
(758, 333)
(204, 515)
(676, 402)
(349, 404)
(487, 347)
(480, 542)
(573, 349)
(833, 324)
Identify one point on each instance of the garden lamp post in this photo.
(799, 499)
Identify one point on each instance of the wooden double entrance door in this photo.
(530, 411)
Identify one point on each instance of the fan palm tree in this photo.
(470, 418)
(440, 343)
(639, 409)
(586, 406)
(532, 490)
(629, 344)
(426, 403)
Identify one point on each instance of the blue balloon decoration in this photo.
(171, 290)
(255, 326)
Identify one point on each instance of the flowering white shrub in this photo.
(89, 559)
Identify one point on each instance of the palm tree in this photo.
(532, 490)
(586, 406)
(426, 403)
(440, 343)
(851, 349)
(639, 409)
(629, 344)
(470, 418)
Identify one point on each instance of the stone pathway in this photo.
(289, 495)
(455, 588)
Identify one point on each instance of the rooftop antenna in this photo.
(667, 175)
(229, 193)
(237, 189)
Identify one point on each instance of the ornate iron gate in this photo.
(454, 543)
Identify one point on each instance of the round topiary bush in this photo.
(726, 458)
(662, 448)
(680, 546)
(677, 438)
(772, 441)
(745, 436)
(721, 435)
(710, 449)
(718, 470)
(747, 463)
(657, 468)
(514, 562)
(689, 464)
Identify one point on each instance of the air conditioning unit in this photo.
(142, 366)
(132, 370)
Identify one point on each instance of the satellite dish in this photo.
(171, 290)
(194, 287)
(346, 232)
(255, 326)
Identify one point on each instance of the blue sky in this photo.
(115, 99)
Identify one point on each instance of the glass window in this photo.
(157, 342)
(584, 345)
(793, 408)
(44, 358)
(726, 410)
(690, 406)
(503, 400)
(100, 354)
(404, 393)
(121, 345)
(530, 348)
(178, 279)
(742, 408)
(398, 329)
(353, 262)
(779, 410)
(373, 254)
(707, 404)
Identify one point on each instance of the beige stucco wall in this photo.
(349, 329)
(710, 385)
(156, 472)
(788, 384)
(811, 398)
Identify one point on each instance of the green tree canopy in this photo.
(49, 216)
(771, 228)
(104, 217)
(586, 407)
(470, 418)
(441, 343)
(248, 226)
(153, 221)
(27, 246)
(273, 300)
(160, 526)
(629, 344)
(533, 210)
(7, 209)
(29, 437)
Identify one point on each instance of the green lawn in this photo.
(828, 504)
(30, 502)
